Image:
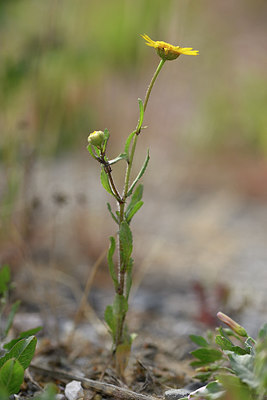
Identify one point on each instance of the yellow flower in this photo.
(167, 51)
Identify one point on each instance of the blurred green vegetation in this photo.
(53, 58)
(56, 55)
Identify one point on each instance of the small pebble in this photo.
(175, 394)
(74, 390)
(60, 397)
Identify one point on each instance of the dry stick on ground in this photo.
(107, 389)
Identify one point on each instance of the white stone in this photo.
(74, 390)
(175, 394)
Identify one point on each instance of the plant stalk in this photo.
(122, 269)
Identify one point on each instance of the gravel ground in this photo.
(194, 226)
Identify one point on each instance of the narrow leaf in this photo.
(141, 115)
(110, 261)
(122, 156)
(263, 332)
(4, 278)
(136, 197)
(138, 194)
(203, 376)
(111, 213)
(11, 376)
(227, 345)
(199, 340)
(126, 243)
(49, 393)
(133, 211)
(22, 335)
(120, 305)
(106, 134)
(90, 149)
(109, 318)
(129, 278)
(23, 351)
(11, 316)
(139, 176)
(105, 181)
(128, 142)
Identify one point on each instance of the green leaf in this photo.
(122, 156)
(135, 203)
(263, 332)
(141, 115)
(199, 340)
(4, 278)
(128, 142)
(4, 393)
(106, 134)
(203, 376)
(110, 261)
(234, 387)
(22, 335)
(90, 149)
(126, 243)
(250, 346)
(243, 366)
(11, 376)
(207, 355)
(23, 351)
(48, 394)
(111, 213)
(197, 364)
(134, 210)
(109, 318)
(120, 305)
(129, 278)
(11, 316)
(105, 181)
(225, 344)
(139, 176)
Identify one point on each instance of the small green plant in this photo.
(115, 314)
(234, 363)
(15, 355)
(49, 393)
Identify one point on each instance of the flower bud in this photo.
(96, 138)
(232, 324)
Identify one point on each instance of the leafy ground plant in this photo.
(234, 363)
(15, 355)
(129, 201)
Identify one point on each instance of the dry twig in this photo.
(107, 389)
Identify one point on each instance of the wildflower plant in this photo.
(233, 363)
(129, 201)
(15, 354)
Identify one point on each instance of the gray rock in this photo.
(74, 390)
(60, 397)
(175, 394)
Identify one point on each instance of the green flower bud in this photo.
(96, 138)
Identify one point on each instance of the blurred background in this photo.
(69, 68)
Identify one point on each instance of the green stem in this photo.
(161, 63)
(121, 268)
(148, 92)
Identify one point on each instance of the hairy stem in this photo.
(121, 206)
